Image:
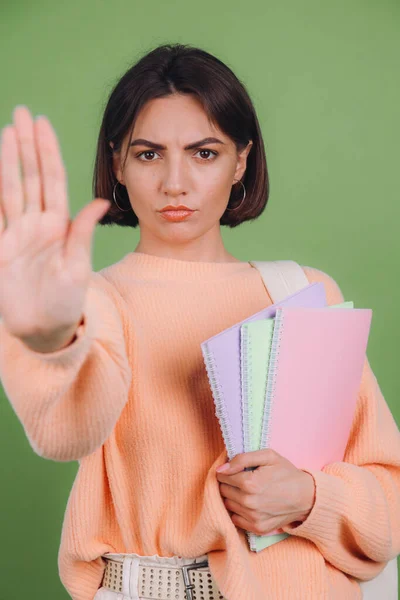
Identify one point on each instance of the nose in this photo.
(175, 177)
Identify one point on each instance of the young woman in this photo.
(119, 380)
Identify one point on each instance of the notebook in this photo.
(324, 351)
(255, 346)
(221, 354)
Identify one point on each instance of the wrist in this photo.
(307, 496)
(47, 343)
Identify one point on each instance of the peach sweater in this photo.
(130, 401)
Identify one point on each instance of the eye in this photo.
(146, 152)
(207, 150)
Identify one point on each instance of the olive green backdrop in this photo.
(324, 77)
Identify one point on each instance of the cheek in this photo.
(214, 193)
(139, 180)
(142, 187)
(219, 182)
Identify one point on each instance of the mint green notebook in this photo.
(255, 348)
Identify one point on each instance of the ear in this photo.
(117, 165)
(242, 161)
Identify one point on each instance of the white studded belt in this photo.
(186, 582)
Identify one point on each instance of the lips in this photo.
(176, 212)
(176, 208)
(176, 215)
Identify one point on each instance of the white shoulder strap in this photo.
(281, 277)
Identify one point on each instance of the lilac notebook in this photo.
(222, 354)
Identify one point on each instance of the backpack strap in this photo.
(281, 277)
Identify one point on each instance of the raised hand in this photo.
(45, 257)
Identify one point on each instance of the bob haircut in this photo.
(183, 69)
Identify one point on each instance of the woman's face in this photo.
(200, 178)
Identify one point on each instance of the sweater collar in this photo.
(149, 265)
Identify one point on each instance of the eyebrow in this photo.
(207, 140)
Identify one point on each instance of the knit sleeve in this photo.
(355, 519)
(68, 401)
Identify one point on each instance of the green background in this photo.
(324, 78)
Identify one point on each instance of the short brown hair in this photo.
(180, 68)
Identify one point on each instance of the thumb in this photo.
(79, 242)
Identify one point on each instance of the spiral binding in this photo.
(269, 373)
(248, 421)
(220, 405)
(246, 365)
(273, 370)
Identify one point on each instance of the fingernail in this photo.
(224, 467)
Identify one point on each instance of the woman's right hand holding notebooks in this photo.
(45, 257)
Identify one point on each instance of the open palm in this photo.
(45, 258)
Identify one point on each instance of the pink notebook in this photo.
(316, 364)
(315, 369)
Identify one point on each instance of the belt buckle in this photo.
(189, 586)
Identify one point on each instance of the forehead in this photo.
(179, 116)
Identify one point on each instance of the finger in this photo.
(244, 523)
(257, 458)
(79, 242)
(241, 478)
(236, 480)
(261, 528)
(53, 176)
(234, 493)
(235, 507)
(30, 164)
(12, 192)
(2, 215)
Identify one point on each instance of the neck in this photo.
(205, 249)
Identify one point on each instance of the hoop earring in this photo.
(244, 196)
(115, 200)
